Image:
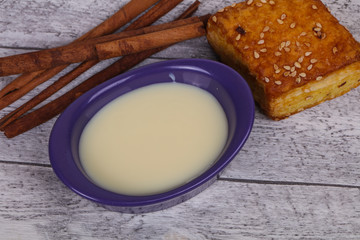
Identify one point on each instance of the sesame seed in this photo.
(335, 50)
(261, 42)
(283, 16)
(319, 78)
(308, 54)
(256, 54)
(297, 64)
(263, 1)
(271, 2)
(313, 60)
(278, 82)
(263, 50)
(238, 37)
(307, 44)
(276, 67)
(306, 90)
(293, 74)
(282, 45)
(258, 4)
(287, 67)
(292, 25)
(266, 79)
(246, 47)
(287, 49)
(280, 21)
(314, 7)
(266, 28)
(302, 74)
(298, 80)
(317, 29)
(309, 67)
(292, 69)
(221, 10)
(233, 5)
(318, 25)
(214, 19)
(287, 73)
(297, 43)
(262, 35)
(303, 34)
(301, 59)
(249, 2)
(277, 71)
(277, 54)
(308, 98)
(287, 43)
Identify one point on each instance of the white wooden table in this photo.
(294, 179)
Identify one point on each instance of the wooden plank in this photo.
(34, 204)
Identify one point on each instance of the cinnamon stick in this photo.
(55, 107)
(120, 18)
(160, 9)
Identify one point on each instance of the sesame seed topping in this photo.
(313, 60)
(214, 19)
(221, 10)
(307, 44)
(263, 50)
(266, 28)
(309, 67)
(246, 47)
(261, 42)
(301, 59)
(292, 69)
(263, 1)
(303, 34)
(306, 90)
(293, 74)
(256, 54)
(297, 64)
(298, 80)
(287, 49)
(233, 5)
(302, 74)
(280, 21)
(277, 54)
(308, 98)
(271, 2)
(276, 67)
(287, 73)
(317, 29)
(262, 35)
(287, 67)
(335, 50)
(282, 45)
(278, 82)
(292, 25)
(249, 2)
(318, 25)
(287, 43)
(297, 43)
(283, 16)
(314, 7)
(323, 35)
(238, 37)
(308, 54)
(319, 78)
(277, 71)
(266, 79)
(259, 4)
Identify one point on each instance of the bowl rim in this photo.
(60, 152)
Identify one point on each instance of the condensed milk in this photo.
(153, 139)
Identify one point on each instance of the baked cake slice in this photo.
(293, 54)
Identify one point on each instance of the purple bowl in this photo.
(230, 89)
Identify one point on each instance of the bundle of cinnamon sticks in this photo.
(136, 43)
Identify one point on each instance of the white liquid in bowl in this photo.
(153, 139)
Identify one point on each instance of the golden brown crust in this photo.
(281, 48)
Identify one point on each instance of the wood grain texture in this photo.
(36, 202)
(294, 179)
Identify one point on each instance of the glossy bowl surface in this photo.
(230, 89)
